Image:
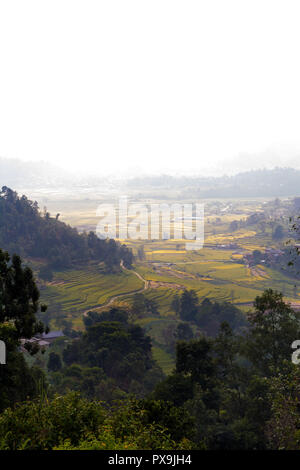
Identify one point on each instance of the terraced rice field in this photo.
(75, 291)
(212, 272)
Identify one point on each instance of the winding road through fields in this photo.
(112, 299)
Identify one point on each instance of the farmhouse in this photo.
(270, 255)
(52, 335)
(43, 341)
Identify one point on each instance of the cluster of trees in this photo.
(111, 359)
(19, 304)
(279, 232)
(71, 422)
(235, 385)
(142, 306)
(24, 230)
(286, 261)
(174, 332)
(207, 315)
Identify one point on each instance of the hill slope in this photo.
(24, 230)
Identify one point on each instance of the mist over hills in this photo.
(43, 176)
(16, 173)
(277, 182)
(256, 183)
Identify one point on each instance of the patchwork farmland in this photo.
(218, 271)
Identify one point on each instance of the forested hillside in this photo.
(27, 231)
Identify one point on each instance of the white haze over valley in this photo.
(132, 88)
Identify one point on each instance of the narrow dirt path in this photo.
(112, 299)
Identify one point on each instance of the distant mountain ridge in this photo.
(278, 182)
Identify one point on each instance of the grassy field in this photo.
(164, 359)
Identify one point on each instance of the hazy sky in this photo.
(156, 85)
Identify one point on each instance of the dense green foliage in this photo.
(208, 315)
(227, 383)
(233, 391)
(233, 386)
(220, 395)
(19, 297)
(70, 422)
(113, 357)
(141, 306)
(19, 304)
